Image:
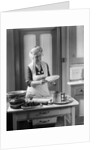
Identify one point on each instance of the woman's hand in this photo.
(39, 77)
(35, 83)
(43, 81)
(29, 97)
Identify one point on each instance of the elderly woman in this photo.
(38, 70)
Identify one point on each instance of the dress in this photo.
(40, 90)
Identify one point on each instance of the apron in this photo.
(41, 90)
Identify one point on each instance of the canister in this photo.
(62, 96)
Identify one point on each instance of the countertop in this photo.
(78, 82)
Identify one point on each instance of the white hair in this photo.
(35, 51)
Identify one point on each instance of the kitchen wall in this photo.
(10, 61)
(13, 53)
(76, 51)
(69, 45)
(72, 52)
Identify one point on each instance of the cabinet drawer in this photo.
(44, 121)
(43, 113)
(78, 90)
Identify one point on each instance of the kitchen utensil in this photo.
(13, 94)
(62, 96)
(63, 102)
(17, 106)
(16, 101)
(16, 93)
(52, 78)
(37, 101)
(68, 99)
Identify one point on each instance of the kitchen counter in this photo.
(44, 111)
(76, 90)
(75, 82)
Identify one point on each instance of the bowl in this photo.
(13, 94)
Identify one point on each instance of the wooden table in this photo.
(44, 111)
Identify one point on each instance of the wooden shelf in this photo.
(75, 82)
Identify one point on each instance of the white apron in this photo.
(39, 90)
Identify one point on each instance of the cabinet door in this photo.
(77, 91)
(76, 44)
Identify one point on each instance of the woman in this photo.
(38, 70)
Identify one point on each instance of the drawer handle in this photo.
(44, 121)
(79, 91)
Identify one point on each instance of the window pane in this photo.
(46, 44)
(80, 41)
(29, 43)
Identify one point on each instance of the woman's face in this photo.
(37, 59)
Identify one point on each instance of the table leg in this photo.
(65, 120)
(73, 115)
(14, 122)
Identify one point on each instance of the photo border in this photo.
(48, 136)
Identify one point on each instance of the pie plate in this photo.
(52, 78)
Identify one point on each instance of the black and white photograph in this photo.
(45, 77)
(45, 86)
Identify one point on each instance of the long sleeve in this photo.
(48, 70)
(29, 77)
(30, 82)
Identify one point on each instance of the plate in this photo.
(17, 106)
(52, 78)
(63, 102)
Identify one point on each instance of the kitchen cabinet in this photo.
(10, 61)
(72, 48)
(76, 45)
(77, 92)
(44, 121)
(75, 69)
